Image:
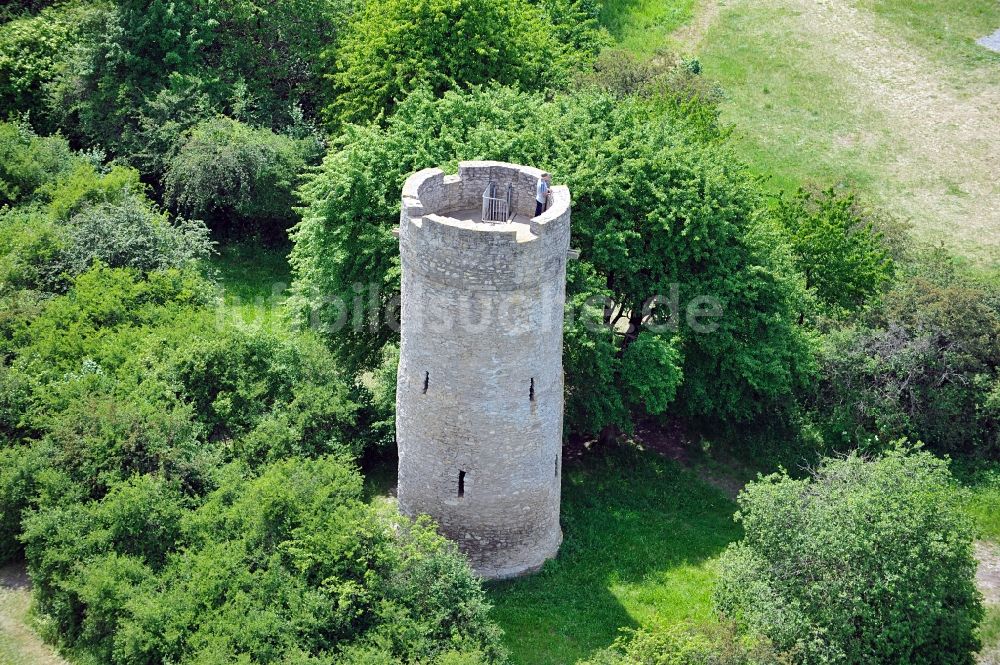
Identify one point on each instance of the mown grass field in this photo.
(891, 97)
(640, 538)
(254, 278)
(644, 26)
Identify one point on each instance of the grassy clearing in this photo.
(888, 96)
(989, 633)
(779, 101)
(644, 26)
(945, 29)
(640, 537)
(19, 644)
(982, 502)
(254, 278)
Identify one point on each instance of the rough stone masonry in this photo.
(479, 395)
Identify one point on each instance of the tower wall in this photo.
(480, 384)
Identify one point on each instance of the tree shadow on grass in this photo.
(639, 534)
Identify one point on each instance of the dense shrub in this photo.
(717, 644)
(237, 177)
(290, 565)
(28, 161)
(923, 364)
(132, 235)
(672, 85)
(128, 374)
(837, 245)
(84, 556)
(33, 49)
(645, 187)
(864, 561)
(396, 46)
(277, 396)
(145, 72)
(73, 213)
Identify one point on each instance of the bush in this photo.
(395, 46)
(275, 396)
(28, 161)
(75, 549)
(845, 257)
(864, 561)
(686, 645)
(646, 186)
(132, 234)
(85, 215)
(924, 364)
(33, 49)
(237, 177)
(669, 84)
(289, 566)
(144, 72)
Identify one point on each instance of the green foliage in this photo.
(838, 248)
(278, 396)
(288, 565)
(687, 645)
(20, 467)
(646, 186)
(670, 85)
(82, 555)
(576, 28)
(28, 161)
(590, 357)
(72, 214)
(32, 51)
(651, 373)
(396, 46)
(237, 177)
(147, 72)
(924, 364)
(865, 561)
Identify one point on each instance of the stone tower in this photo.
(479, 395)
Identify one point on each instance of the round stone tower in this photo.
(479, 396)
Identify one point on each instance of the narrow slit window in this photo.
(427, 381)
(461, 484)
(531, 390)
(557, 466)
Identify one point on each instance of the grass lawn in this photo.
(891, 97)
(640, 537)
(254, 278)
(989, 633)
(945, 29)
(982, 483)
(19, 644)
(643, 26)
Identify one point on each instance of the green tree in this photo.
(396, 46)
(838, 247)
(33, 50)
(237, 177)
(286, 566)
(29, 161)
(924, 364)
(646, 186)
(146, 72)
(864, 561)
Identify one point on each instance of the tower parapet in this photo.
(480, 383)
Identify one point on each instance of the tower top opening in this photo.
(485, 196)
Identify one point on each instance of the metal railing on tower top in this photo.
(496, 209)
